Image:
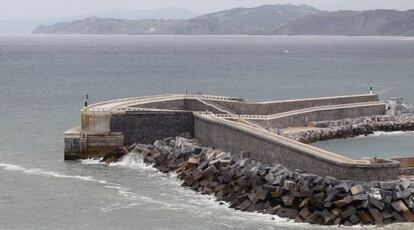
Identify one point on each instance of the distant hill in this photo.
(353, 23)
(27, 25)
(267, 20)
(259, 20)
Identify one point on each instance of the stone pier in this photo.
(230, 124)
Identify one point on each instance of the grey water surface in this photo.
(43, 80)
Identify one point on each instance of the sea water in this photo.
(44, 78)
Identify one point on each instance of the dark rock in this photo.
(114, 155)
(365, 217)
(269, 188)
(360, 196)
(315, 218)
(399, 206)
(387, 185)
(304, 213)
(377, 203)
(342, 202)
(287, 213)
(279, 180)
(357, 189)
(398, 217)
(245, 205)
(354, 219)
(304, 203)
(288, 200)
(158, 144)
(348, 212)
(328, 217)
(289, 185)
(376, 215)
(299, 219)
(342, 187)
(261, 194)
(408, 216)
(209, 170)
(409, 203)
(403, 195)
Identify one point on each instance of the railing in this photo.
(115, 101)
(120, 102)
(286, 141)
(318, 98)
(208, 97)
(125, 102)
(322, 108)
(295, 112)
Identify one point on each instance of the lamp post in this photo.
(86, 100)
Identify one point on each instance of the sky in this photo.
(30, 9)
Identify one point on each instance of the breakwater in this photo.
(241, 160)
(328, 130)
(222, 122)
(250, 185)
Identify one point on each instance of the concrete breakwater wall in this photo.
(329, 130)
(274, 107)
(145, 119)
(300, 118)
(250, 185)
(234, 138)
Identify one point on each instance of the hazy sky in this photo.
(12, 9)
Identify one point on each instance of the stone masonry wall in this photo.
(146, 127)
(232, 139)
(178, 104)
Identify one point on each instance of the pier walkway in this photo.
(222, 122)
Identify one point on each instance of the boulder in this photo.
(115, 155)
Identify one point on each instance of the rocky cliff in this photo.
(353, 23)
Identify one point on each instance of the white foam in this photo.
(133, 160)
(395, 133)
(118, 206)
(92, 162)
(37, 171)
(40, 172)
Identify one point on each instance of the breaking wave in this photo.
(122, 191)
(41, 172)
(133, 160)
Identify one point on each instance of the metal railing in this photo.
(286, 141)
(126, 102)
(296, 112)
